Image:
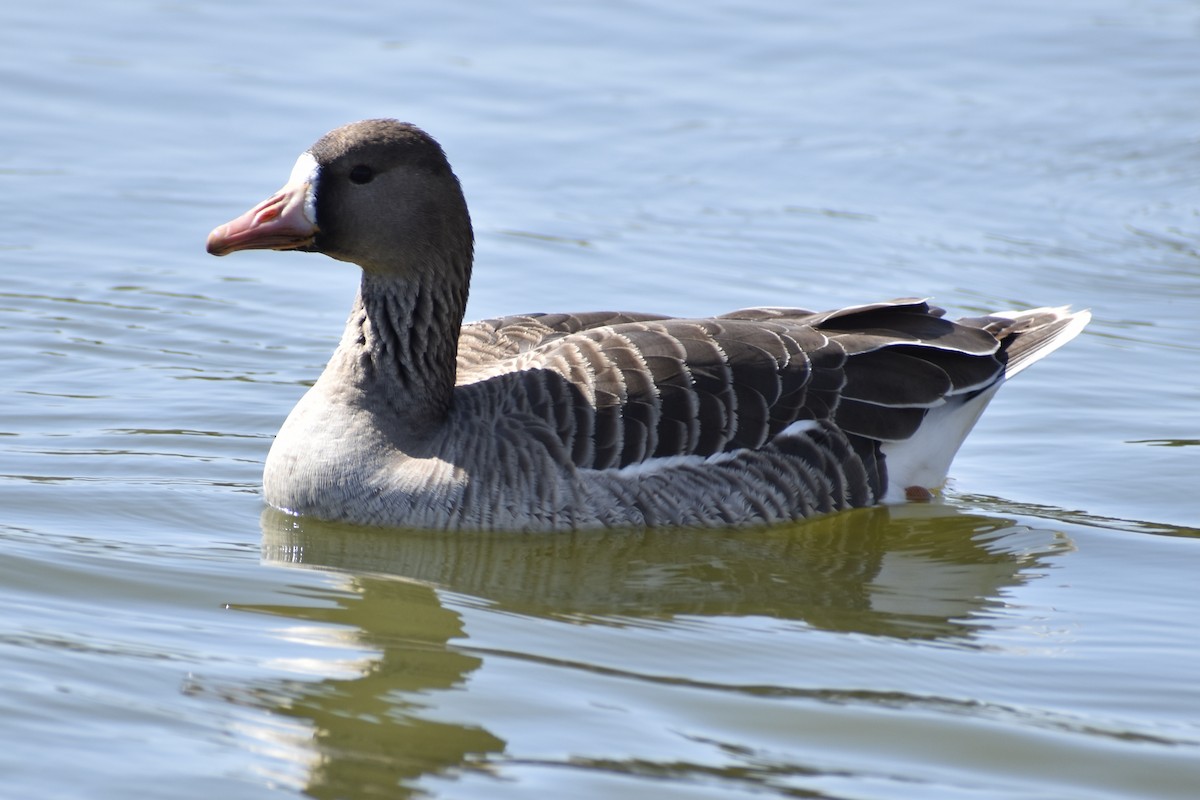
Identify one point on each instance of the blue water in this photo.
(1032, 635)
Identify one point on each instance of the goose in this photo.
(568, 421)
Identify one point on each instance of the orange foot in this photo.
(918, 494)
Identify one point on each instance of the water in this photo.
(1031, 636)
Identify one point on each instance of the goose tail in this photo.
(1029, 336)
(923, 460)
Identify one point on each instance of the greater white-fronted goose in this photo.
(597, 419)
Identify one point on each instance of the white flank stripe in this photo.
(652, 466)
(800, 426)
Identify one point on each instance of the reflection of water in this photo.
(915, 572)
(368, 730)
(911, 571)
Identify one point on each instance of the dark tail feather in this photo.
(1028, 336)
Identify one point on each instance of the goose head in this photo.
(378, 193)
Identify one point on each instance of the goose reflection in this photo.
(923, 572)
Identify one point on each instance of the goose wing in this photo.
(624, 389)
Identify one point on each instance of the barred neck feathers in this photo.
(404, 339)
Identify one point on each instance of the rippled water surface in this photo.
(1032, 635)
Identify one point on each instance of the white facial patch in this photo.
(308, 171)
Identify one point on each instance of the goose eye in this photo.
(361, 174)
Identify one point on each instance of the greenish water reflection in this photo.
(370, 737)
(911, 571)
(926, 573)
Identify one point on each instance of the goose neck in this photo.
(404, 333)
